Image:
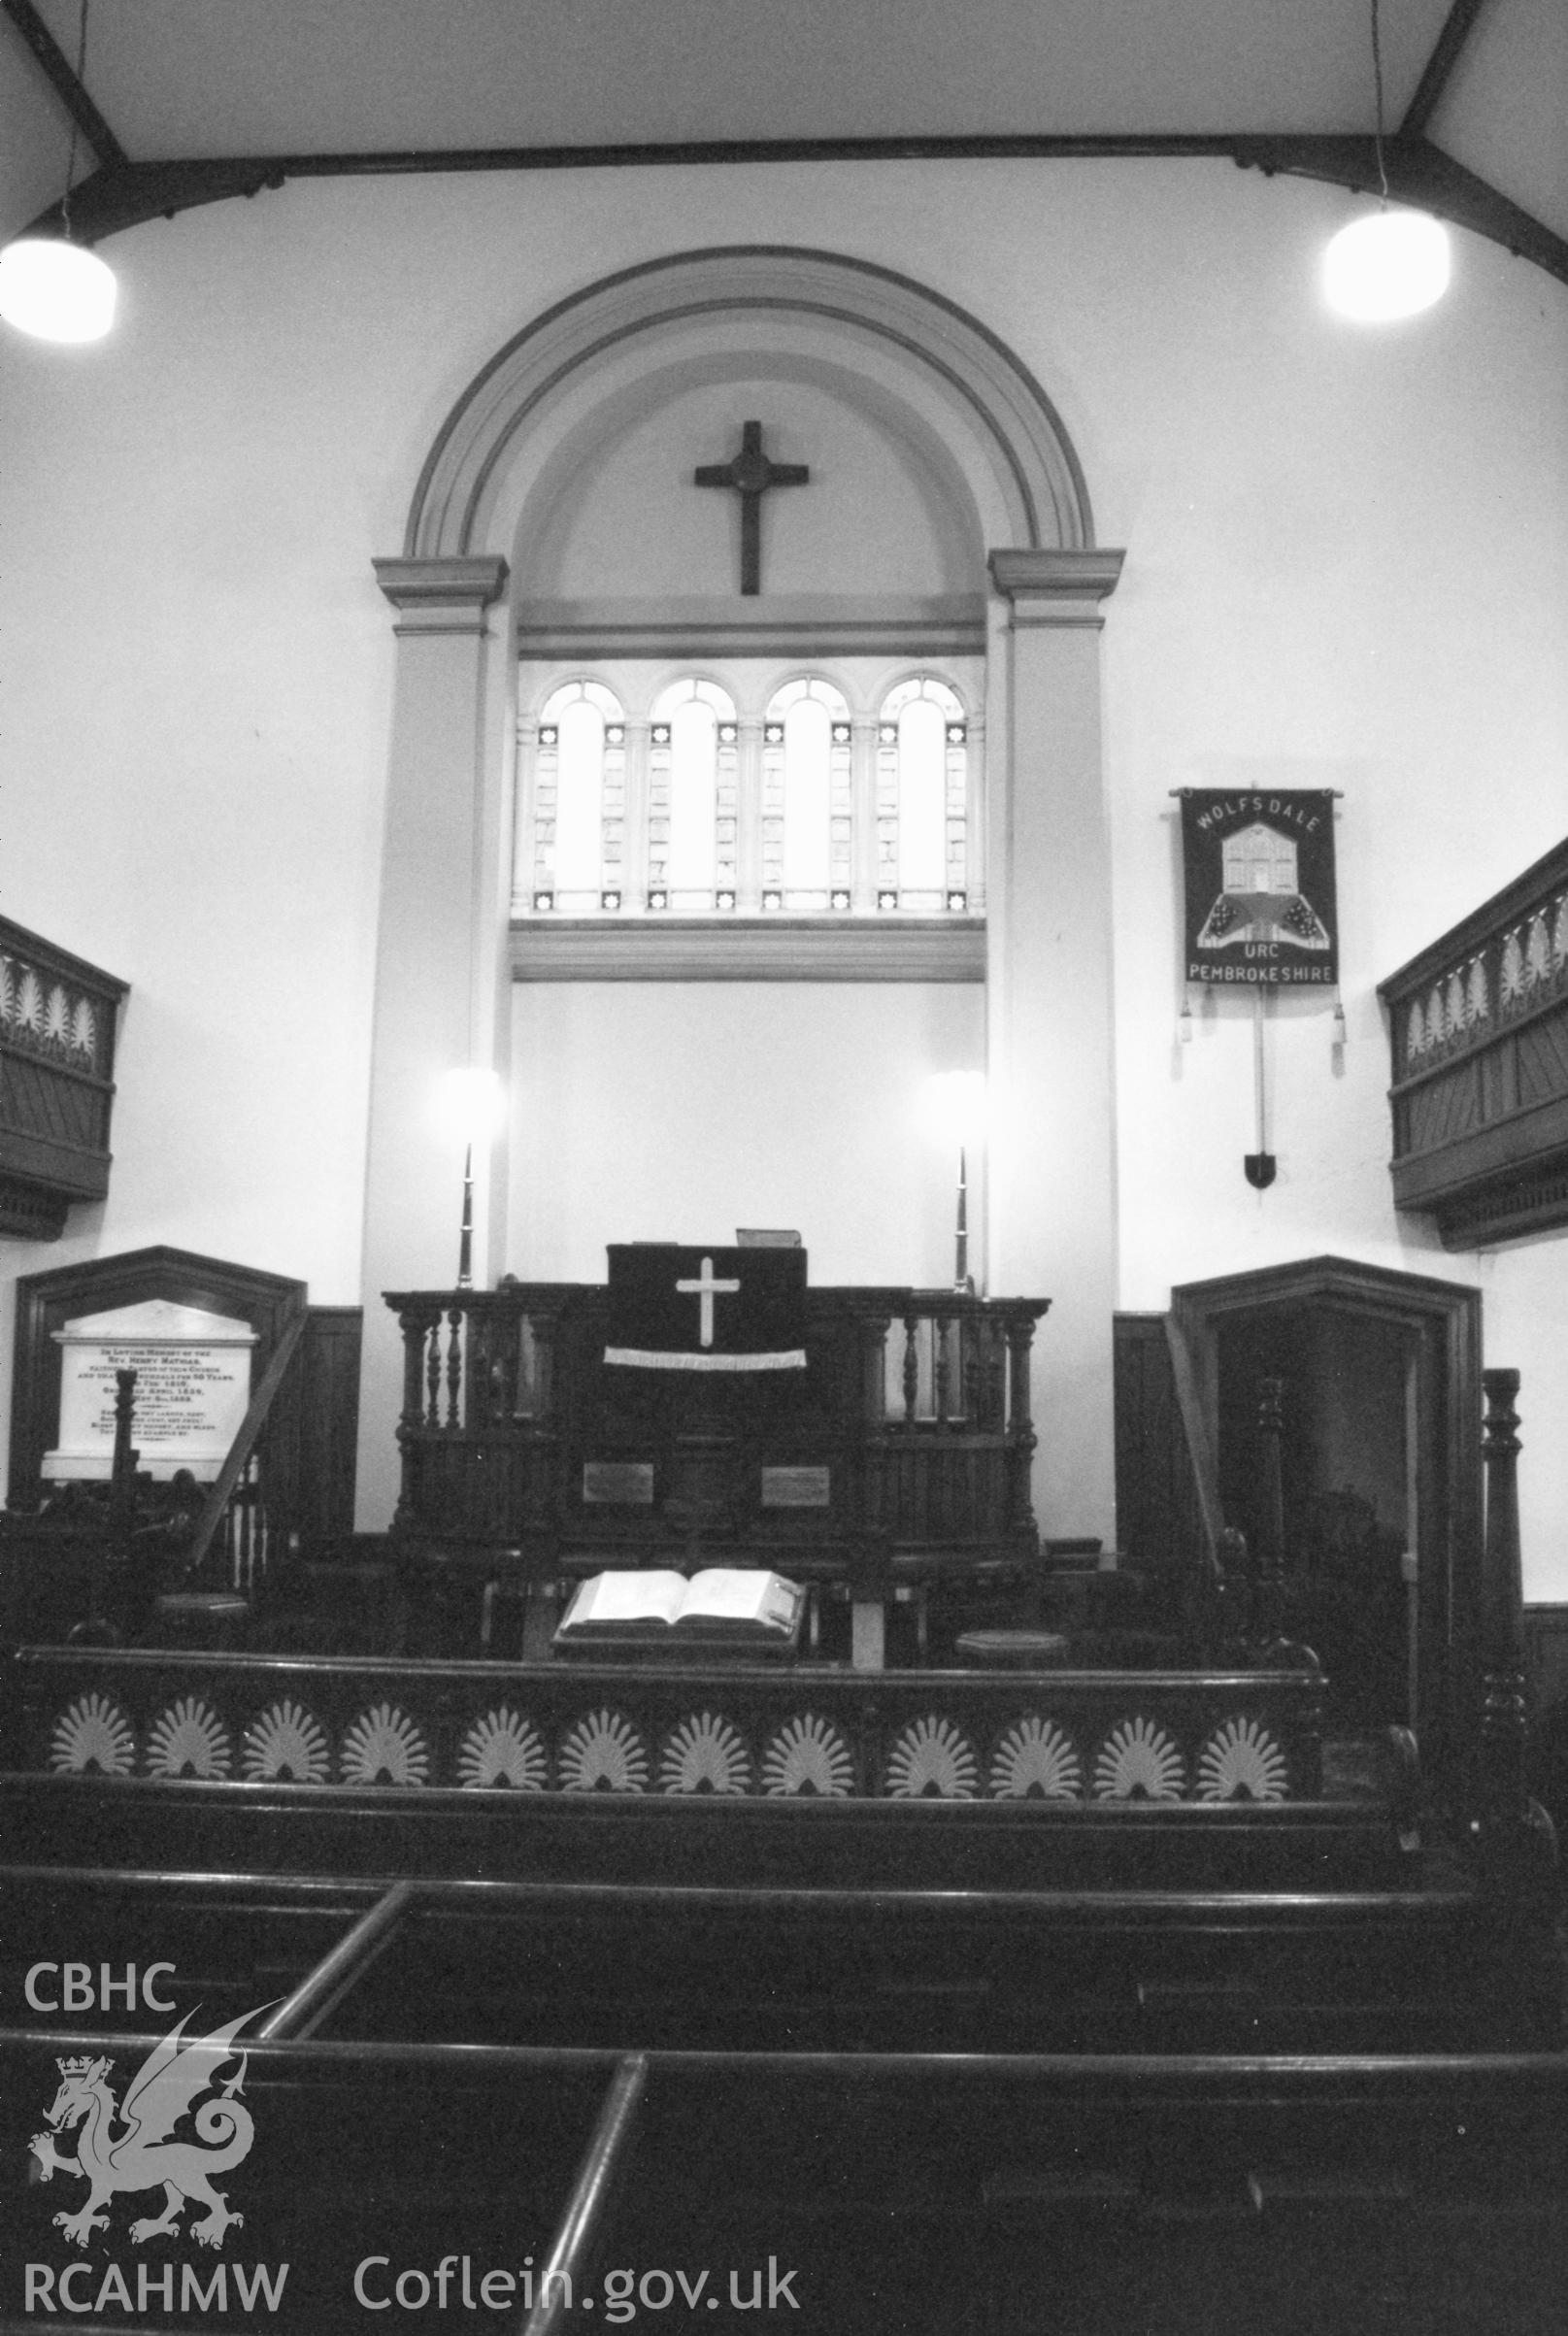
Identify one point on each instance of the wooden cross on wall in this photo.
(750, 475)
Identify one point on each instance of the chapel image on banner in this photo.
(1258, 876)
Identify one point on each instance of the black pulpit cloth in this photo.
(675, 1309)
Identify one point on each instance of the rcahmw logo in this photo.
(130, 2146)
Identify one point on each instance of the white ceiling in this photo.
(195, 79)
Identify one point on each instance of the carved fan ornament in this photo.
(1138, 1761)
(1242, 1763)
(705, 1754)
(932, 1759)
(503, 1748)
(1035, 1760)
(808, 1756)
(383, 1747)
(188, 1739)
(95, 1733)
(287, 1742)
(604, 1753)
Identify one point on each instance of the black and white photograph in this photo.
(784, 1167)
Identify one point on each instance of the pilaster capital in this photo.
(1056, 587)
(442, 595)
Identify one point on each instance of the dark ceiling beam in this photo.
(1440, 65)
(1418, 173)
(126, 194)
(53, 63)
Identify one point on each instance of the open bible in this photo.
(724, 1605)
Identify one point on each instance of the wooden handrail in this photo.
(581, 2229)
(1267, 2077)
(1199, 1446)
(244, 1444)
(322, 1989)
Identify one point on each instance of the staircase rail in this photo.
(1212, 1550)
(247, 1561)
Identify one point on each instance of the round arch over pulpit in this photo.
(900, 344)
(984, 542)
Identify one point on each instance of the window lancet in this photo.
(573, 859)
(806, 807)
(692, 798)
(924, 798)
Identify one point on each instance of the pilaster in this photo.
(1052, 1150)
(440, 939)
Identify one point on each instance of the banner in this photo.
(674, 1309)
(1259, 882)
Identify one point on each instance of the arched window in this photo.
(571, 851)
(921, 798)
(848, 793)
(691, 813)
(808, 822)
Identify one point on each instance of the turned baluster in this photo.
(417, 1323)
(969, 1335)
(455, 1366)
(941, 1325)
(995, 1379)
(1502, 1613)
(432, 1371)
(1020, 1436)
(479, 1392)
(911, 1364)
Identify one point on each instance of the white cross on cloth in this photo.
(705, 1290)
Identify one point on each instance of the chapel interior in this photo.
(768, 821)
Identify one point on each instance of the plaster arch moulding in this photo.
(931, 373)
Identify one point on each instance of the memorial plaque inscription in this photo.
(193, 1388)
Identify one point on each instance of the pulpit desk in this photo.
(903, 1446)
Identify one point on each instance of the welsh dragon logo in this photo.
(142, 2156)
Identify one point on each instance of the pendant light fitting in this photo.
(49, 286)
(1390, 263)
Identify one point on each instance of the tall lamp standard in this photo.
(955, 1107)
(469, 1101)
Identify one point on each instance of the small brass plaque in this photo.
(795, 1488)
(623, 1484)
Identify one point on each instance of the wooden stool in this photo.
(1014, 1649)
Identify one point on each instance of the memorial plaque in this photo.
(193, 1388)
(795, 1488)
(622, 1483)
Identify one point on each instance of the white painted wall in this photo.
(1348, 565)
(677, 1110)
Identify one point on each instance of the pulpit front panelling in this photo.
(907, 1430)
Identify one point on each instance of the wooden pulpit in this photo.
(900, 1444)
